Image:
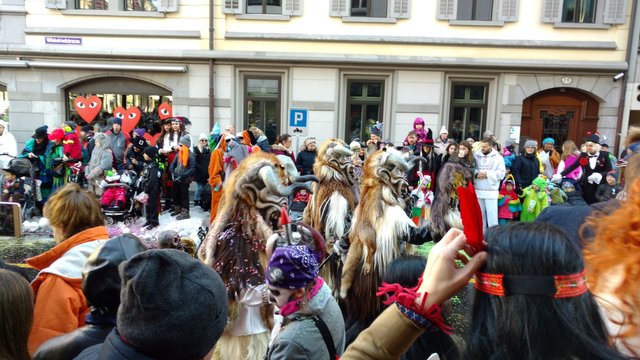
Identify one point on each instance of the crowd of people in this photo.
(571, 275)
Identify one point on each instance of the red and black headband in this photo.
(558, 286)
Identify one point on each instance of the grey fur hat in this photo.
(172, 305)
(531, 143)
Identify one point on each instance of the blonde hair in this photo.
(16, 315)
(568, 148)
(73, 210)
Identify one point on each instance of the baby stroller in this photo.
(117, 200)
(24, 171)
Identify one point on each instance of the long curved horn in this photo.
(305, 178)
(271, 181)
(416, 159)
(397, 161)
(342, 150)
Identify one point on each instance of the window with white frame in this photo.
(262, 7)
(364, 107)
(478, 11)
(141, 6)
(573, 13)
(468, 111)
(380, 9)
(262, 99)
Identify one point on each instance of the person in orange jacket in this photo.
(78, 229)
(216, 175)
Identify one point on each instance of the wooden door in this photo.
(561, 114)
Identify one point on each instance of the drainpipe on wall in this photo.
(632, 46)
(211, 71)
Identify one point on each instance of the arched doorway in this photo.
(119, 91)
(561, 114)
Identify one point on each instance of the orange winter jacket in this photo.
(60, 304)
(216, 163)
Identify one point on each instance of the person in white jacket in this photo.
(490, 170)
(8, 145)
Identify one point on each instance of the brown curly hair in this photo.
(614, 249)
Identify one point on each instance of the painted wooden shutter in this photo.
(55, 4)
(232, 6)
(508, 10)
(551, 11)
(615, 11)
(400, 9)
(168, 6)
(292, 7)
(339, 8)
(447, 10)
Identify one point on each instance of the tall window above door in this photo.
(262, 99)
(584, 13)
(370, 10)
(364, 108)
(468, 111)
(478, 12)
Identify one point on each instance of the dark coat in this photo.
(607, 192)
(603, 166)
(132, 154)
(305, 161)
(201, 174)
(113, 348)
(525, 168)
(70, 345)
(151, 178)
(181, 173)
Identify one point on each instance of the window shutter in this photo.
(551, 11)
(231, 6)
(400, 9)
(447, 9)
(292, 7)
(339, 8)
(55, 4)
(168, 6)
(508, 10)
(615, 11)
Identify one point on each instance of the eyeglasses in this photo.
(203, 140)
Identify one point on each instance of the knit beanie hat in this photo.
(100, 277)
(613, 174)
(116, 120)
(531, 143)
(139, 132)
(292, 267)
(548, 140)
(151, 151)
(140, 143)
(186, 140)
(172, 305)
(540, 182)
(203, 136)
(443, 130)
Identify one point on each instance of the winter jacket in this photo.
(151, 178)
(60, 306)
(216, 169)
(493, 165)
(72, 146)
(101, 159)
(300, 338)
(525, 168)
(574, 198)
(138, 156)
(305, 161)
(183, 173)
(533, 203)
(278, 149)
(388, 337)
(607, 192)
(203, 157)
(118, 144)
(113, 348)
(69, 345)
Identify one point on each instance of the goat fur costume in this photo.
(380, 226)
(248, 215)
(331, 207)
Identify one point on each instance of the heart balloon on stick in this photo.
(89, 108)
(130, 117)
(152, 138)
(165, 111)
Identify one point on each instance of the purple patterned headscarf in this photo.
(292, 267)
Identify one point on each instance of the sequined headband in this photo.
(558, 286)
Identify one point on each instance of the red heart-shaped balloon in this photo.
(165, 111)
(152, 139)
(89, 108)
(130, 117)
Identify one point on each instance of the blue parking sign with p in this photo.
(298, 121)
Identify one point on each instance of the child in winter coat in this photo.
(300, 201)
(12, 187)
(424, 199)
(508, 202)
(535, 199)
(113, 196)
(151, 175)
(609, 189)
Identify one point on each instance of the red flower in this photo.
(584, 161)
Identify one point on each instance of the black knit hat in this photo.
(140, 143)
(172, 305)
(100, 277)
(151, 151)
(41, 132)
